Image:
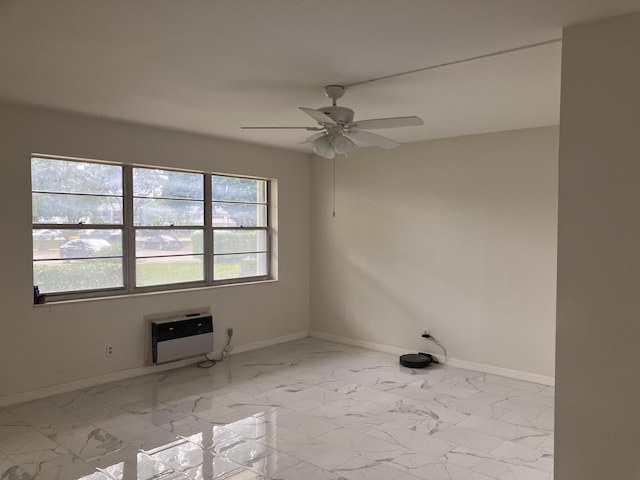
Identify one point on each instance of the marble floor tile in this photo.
(8, 418)
(304, 410)
(432, 470)
(247, 452)
(130, 464)
(496, 428)
(304, 424)
(523, 397)
(96, 476)
(87, 441)
(9, 470)
(365, 445)
(547, 445)
(314, 451)
(255, 427)
(25, 445)
(479, 385)
(427, 410)
(493, 466)
(351, 413)
(140, 434)
(194, 461)
(445, 471)
(420, 391)
(471, 406)
(361, 392)
(467, 437)
(28, 406)
(98, 412)
(516, 453)
(272, 464)
(58, 468)
(532, 416)
(202, 432)
(238, 405)
(361, 468)
(50, 419)
(512, 382)
(412, 440)
(307, 471)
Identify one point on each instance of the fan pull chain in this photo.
(334, 187)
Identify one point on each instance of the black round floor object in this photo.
(415, 360)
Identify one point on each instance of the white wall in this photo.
(458, 235)
(598, 375)
(53, 344)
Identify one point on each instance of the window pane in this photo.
(161, 212)
(239, 215)
(156, 243)
(48, 175)
(239, 241)
(167, 270)
(93, 274)
(67, 243)
(239, 189)
(167, 184)
(227, 267)
(74, 209)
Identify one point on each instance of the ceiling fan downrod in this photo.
(334, 92)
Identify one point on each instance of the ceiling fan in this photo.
(339, 134)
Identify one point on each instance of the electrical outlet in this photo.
(229, 331)
(425, 331)
(109, 350)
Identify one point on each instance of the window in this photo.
(104, 229)
(240, 227)
(77, 216)
(168, 213)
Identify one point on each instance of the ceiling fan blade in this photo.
(279, 128)
(318, 116)
(392, 122)
(313, 138)
(373, 139)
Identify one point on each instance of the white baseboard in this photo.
(454, 362)
(135, 372)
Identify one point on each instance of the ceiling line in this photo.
(454, 62)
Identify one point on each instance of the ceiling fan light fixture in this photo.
(343, 145)
(322, 147)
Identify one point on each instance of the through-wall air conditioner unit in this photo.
(181, 337)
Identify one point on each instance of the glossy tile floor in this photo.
(303, 410)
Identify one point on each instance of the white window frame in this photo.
(129, 236)
(266, 229)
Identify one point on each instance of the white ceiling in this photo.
(211, 66)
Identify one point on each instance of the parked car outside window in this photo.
(81, 248)
(163, 242)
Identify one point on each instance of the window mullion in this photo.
(208, 229)
(129, 240)
(269, 252)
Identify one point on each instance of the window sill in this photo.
(146, 294)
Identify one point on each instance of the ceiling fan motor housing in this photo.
(340, 115)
